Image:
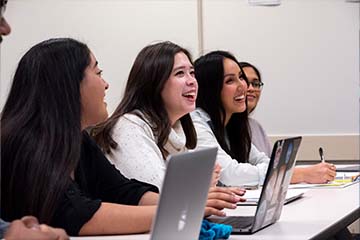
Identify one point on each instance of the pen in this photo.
(321, 152)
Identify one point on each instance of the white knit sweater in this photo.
(137, 155)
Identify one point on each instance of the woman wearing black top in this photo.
(51, 168)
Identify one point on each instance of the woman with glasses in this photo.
(258, 135)
(313, 174)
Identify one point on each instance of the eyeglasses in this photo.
(256, 85)
(3, 7)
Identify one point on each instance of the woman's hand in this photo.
(318, 173)
(222, 197)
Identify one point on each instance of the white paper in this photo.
(252, 196)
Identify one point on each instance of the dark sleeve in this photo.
(74, 210)
(110, 185)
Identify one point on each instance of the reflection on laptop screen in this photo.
(274, 190)
(276, 183)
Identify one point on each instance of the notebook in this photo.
(183, 195)
(342, 180)
(253, 196)
(273, 193)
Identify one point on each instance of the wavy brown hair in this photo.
(148, 75)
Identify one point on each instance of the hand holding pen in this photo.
(328, 169)
(322, 158)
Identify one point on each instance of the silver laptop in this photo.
(273, 193)
(183, 195)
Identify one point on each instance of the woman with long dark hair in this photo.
(153, 121)
(221, 119)
(50, 167)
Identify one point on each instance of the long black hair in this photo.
(247, 64)
(209, 72)
(148, 75)
(41, 128)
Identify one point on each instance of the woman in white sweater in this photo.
(152, 121)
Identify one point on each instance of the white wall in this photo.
(115, 30)
(308, 54)
(307, 50)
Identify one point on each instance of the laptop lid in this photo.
(183, 195)
(276, 182)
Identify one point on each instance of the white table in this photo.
(318, 215)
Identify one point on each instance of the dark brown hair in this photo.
(41, 128)
(150, 71)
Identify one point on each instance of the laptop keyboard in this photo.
(242, 222)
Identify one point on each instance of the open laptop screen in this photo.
(276, 182)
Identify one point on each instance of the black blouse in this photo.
(96, 180)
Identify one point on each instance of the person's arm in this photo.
(119, 219)
(148, 159)
(102, 180)
(233, 173)
(318, 173)
(222, 197)
(79, 214)
(149, 198)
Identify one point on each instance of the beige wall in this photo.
(336, 147)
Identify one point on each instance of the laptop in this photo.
(273, 193)
(183, 195)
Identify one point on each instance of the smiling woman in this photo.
(92, 91)
(152, 121)
(160, 92)
(221, 119)
(180, 90)
(50, 167)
